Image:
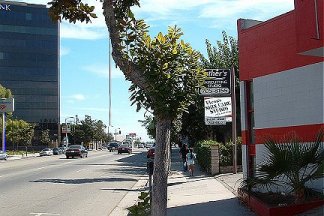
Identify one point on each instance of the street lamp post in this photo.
(66, 129)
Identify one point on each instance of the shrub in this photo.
(202, 149)
(226, 152)
(142, 208)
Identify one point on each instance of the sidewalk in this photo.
(198, 195)
(18, 157)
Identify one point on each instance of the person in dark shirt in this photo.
(183, 154)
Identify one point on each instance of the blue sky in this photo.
(84, 51)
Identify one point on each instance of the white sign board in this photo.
(215, 121)
(218, 83)
(218, 106)
(7, 105)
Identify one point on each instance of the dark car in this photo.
(76, 151)
(57, 151)
(151, 152)
(112, 146)
(124, 149)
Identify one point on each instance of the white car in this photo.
(46, 152)
(3, 155)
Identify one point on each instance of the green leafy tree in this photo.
(149, 124)
(164, 72)
(99, 130)
(19, 132)
(84, 132)
(90, 130)
(223, 55)
(45, 137)
(4, 92)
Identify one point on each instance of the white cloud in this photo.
(95, 109)
(82, 32)
(76, 97)
(218, 13)
(102, 70)
(64, 51)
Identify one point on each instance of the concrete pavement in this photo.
(198, 195)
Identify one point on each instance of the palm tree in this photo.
(291, 163)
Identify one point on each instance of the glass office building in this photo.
(29, 63)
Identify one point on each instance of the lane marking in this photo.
(43, 213)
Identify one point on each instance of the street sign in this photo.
(218, 106)
(7, 105)
(218, 83)
(66, 129)
(215, 120)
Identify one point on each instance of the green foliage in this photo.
(223, 55)
(72, 10)
(226, 152)
(171, 68)
(4, 92)
(292, 163)
(45, 138)
(19, 132)
(142, 208)
(150, 125)
(203, 150)
(89, 130)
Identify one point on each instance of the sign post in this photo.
(6, 105)
(234, 122)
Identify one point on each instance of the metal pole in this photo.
(234, 122)
(316, 20)
(109, 62)
(66, 134)
(3, 131)
(150, 188)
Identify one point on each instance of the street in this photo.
(59, 186)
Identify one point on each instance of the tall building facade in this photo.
(282, 80)
(29, 63)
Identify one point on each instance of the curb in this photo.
(129, 199)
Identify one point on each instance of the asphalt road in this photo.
(58, 186)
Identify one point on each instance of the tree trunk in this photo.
(161, 167)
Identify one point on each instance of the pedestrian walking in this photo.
(183, 154)
(191, 161)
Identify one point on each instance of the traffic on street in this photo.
(55, 185)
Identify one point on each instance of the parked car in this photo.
(76, 151)
(63, 149)
(3, 155)
(151, 152)
(57, 151)
(113, 146)
(124, 149)
(46, 152)
(141, 145)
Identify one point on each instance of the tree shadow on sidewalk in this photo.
(226, 207)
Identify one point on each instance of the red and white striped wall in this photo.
(281, 72)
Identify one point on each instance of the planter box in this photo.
(263, 209)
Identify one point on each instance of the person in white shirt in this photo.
(191, 161)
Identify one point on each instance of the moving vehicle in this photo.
(46, 152)
(112, 146)
(76, 151)
(151, 152)
(124, 149)
(3, 155)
